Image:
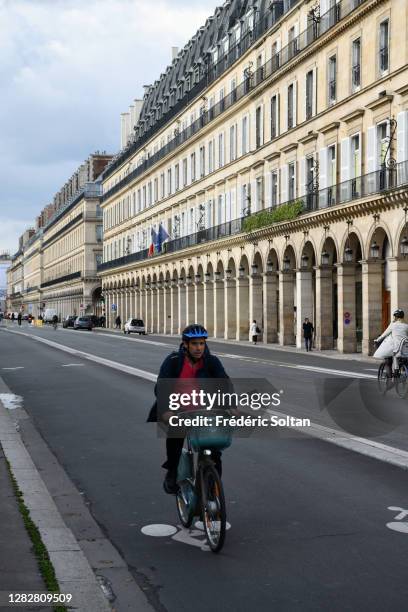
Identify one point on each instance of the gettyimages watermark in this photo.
(254, 407)
(241, 405)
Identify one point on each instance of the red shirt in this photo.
(189, 371)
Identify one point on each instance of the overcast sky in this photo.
(68, 68)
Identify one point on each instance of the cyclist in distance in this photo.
(192, 360)
(55, 321)
(398, 329)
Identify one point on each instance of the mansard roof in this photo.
(195, 51)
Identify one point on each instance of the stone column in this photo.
(209, 307)
(147, 309)
(219, 308)
(174, 300)
(160, 310)
(399, 284)
(270, 309)
(286, 325)
(304, 302)
(324, 308)
(372, 282)
(182, 307)
(199, 302)
(346, 288)
(166, 309)
(230, 309)
(256, 302)
(190, 312)
(153, 309)
(242, 308)
(108, 301)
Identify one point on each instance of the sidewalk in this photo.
(331, 354)
(18, 564)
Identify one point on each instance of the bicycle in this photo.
(387, 377)
(200, 490)
(55, 325)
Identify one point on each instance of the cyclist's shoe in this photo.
(170, 482)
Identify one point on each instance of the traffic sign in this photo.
(113, 307)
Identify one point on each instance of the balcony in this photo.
(377, 182)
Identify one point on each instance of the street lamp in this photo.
(188, 279)
(325, 258)
(304, 261)
(269, 265)
(197, 277)
(228, 273)
(286, 264)
(254, 268)
(207, 277)
(241, 271)
(348, 251)
(217, 275)
(374, 250)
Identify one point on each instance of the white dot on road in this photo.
(159, 531)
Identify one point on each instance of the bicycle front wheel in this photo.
(213, 507)
(401, 383)
(383, 379)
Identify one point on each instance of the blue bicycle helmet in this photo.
(194, 331)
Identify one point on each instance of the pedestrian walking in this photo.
(19, 318)
(118, 322)
(308, 330)
(12, 316)
(254, 331)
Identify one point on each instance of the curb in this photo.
(72, 570)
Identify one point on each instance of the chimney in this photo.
(174, 53)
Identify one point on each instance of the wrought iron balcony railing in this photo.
(382, 180)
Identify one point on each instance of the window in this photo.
(309, 94)
(291, 181)
(177, 177)
(162, 185)
(332, 79)
(259, 193)
(98, 259)
(211, 156)
(233, 143)
(245, 135)
(292, 42)
(383, 142)
(274, 116)
(290, 106)
(259, 127)
(149, 193)
(144, 196)
(221, 150)
(274, 188)
(184, 171)
(169, 186)
(384, 46)
(202, 161)
(356, 67)
(99, 233)
(193, 166)
(156, 189)
(275, 56)
(355, 166)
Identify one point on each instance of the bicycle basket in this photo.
(210, 436)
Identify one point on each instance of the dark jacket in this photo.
(173, 364)
(308, 330)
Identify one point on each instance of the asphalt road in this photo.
(308, 519)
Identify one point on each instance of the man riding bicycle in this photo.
(55, 321)
(398, 330)
(192, 360)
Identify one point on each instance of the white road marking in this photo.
(72, 365)
(398, 524)
(127, 337)
(16, 368)
(11, 401)
(159, 531)
(382, 452)
(330, 371)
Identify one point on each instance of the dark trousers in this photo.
(308, 344)
(174, 447)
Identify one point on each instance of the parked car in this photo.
(84, 322)
(135, 326)
(69, 321)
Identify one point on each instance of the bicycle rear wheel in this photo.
(401, 383)
(213, 507)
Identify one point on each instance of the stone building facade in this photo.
(274, 154)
